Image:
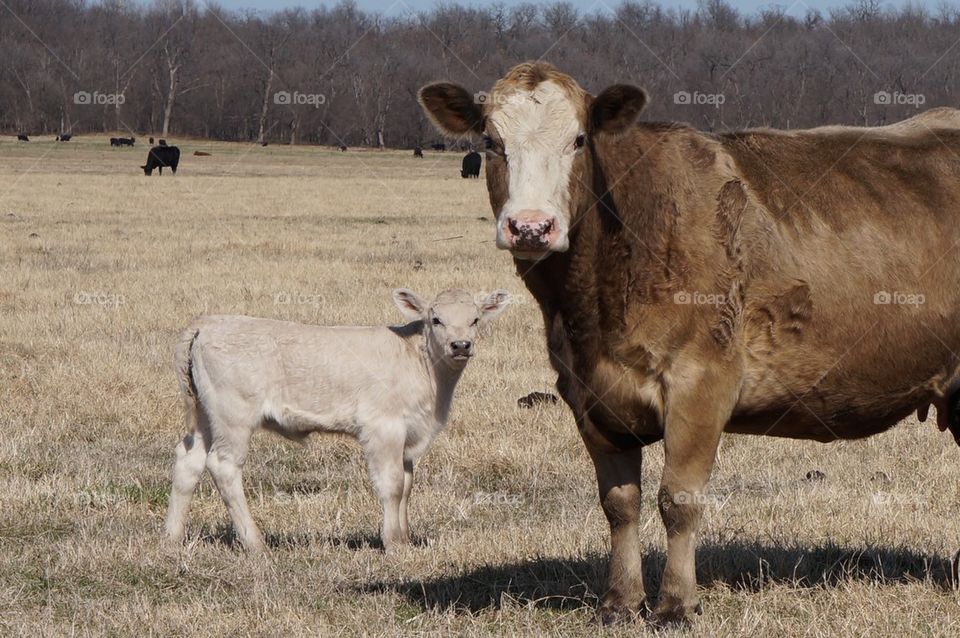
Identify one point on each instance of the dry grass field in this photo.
(100, 268)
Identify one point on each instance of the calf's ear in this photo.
(410, 305)
(616, 108)
(495, 303)
(452, 109)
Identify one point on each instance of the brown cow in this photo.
(800, 284)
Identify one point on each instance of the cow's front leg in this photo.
(694, 422)
(618, 478)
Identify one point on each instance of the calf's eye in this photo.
(437, 322)
(580, 141)
(475, 321)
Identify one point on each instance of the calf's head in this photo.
(451, 322)
(538, 127)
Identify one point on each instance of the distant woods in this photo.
(344, 76)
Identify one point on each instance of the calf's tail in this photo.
(183, 364)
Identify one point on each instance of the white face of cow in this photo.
(535, 126)
(534, 136)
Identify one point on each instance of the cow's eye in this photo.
(580, 141)
(437, 322)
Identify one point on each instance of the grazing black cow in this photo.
(343, 148)
(127, 141)
(22, 137)
(439, 146)
(418, 151)
(160, 156)
(64, 137)
(471, 165)
(151, 141)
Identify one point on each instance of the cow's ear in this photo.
(452, 109)
(616, 108)
(411, 306)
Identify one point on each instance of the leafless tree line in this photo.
(343, 76)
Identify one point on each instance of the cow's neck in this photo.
(582, 292)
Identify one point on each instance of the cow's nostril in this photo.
(460, 345)
(512, 226)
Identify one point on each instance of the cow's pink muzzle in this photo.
(529, 231)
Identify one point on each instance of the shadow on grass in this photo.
(224, 534)
(566, 584)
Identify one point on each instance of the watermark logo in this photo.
(501, 499)
(284, 298)
(898, 298)
(695, 298)
(686, 98)
(286, 98)
(896, 98)
(894, 499)
(698, 498)
(98, 298)
(85, 98)
(482, 97)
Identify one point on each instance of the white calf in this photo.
(390, 387)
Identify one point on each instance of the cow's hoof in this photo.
(671, 612)
(612, 614)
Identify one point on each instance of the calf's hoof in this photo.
(672, 612)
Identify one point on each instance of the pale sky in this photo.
(399, 7)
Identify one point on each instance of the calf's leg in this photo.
(225, 462)
(191, 454)
(405, 500)
(384, 450)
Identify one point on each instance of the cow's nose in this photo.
(460, 347)
(530, 229)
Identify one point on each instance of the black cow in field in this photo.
(151, 141)
(162, 142)
(439, 146)
(471, 165)
(418, 151)
(127, 141)
(22, 137)
(343, 148)
(64, 137)
(160, 156)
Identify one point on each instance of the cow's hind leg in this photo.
(618, 478)
(191, 454)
